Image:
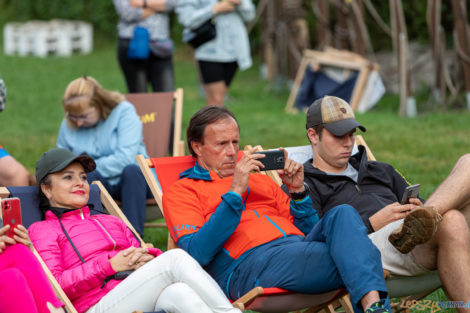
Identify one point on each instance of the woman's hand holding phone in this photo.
(21, 235)
(4, 239)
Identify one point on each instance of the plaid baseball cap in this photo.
(334, 114)
(57, 159)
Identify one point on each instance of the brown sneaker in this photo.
(418, 227)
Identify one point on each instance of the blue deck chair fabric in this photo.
(30, 211)
(317, 84)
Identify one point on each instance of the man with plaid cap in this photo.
(12, 173)
(408, 236)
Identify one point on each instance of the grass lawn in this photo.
(424, 149)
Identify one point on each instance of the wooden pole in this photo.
(400, 45)
(268, 20)
(320, 9)
(433, 19)
(364, 45)
(403, 79)
(341, 27)
(462, 44)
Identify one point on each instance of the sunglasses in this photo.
(80, 117)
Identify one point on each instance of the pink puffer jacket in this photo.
(97, 238)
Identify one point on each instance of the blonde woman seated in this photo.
(91, 254)
(102, 124)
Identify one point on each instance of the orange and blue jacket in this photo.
(219, 227)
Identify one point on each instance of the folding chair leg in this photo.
(346, 303)
(239, 306)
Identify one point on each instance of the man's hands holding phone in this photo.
(21, 236)
(248, 163)
(393, 212)
(292, 174)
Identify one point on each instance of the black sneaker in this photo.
(379, 307)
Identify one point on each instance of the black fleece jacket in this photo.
(378, 185)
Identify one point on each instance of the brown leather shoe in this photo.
(418, 227)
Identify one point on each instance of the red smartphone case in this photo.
(11, 211)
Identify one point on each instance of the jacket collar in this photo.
(196, 172)
(358, 161)
(56, 213)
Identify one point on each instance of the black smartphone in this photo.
(273, 160)
(410, 192)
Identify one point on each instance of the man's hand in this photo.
(292, 175)
(392, 213)
(5, 240)
(249, 162)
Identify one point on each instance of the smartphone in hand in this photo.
(410, 192)
(273, 160)
(11, 211)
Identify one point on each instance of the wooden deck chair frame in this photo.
(110, 205)
(152, 108)
(335, 58)
(259, 298)
(406, 288)
(147, 115)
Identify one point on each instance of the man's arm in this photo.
(12, 172)
(301, 208)
(305, 217)
(394, 211)
(202, 240)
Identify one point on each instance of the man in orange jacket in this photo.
(247, 232)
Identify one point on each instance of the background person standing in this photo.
(157, 69)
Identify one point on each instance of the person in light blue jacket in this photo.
(219, 58)
(103, 125)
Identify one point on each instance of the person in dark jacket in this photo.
(408, 235)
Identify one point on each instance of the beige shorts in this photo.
(393, 260)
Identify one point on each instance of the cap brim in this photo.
(343, 127)
(88, 164)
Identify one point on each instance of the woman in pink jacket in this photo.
(97, 259)
(24, 286)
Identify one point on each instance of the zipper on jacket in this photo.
(358, 189)
(81, 214)
(107, 233)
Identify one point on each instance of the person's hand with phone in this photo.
(248, 163)
(292, 175)
(21, 235)
(4, 239)
(393, 212)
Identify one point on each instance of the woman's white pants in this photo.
(173, 282)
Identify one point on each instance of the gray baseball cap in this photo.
(57, 159)
(334, 114)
